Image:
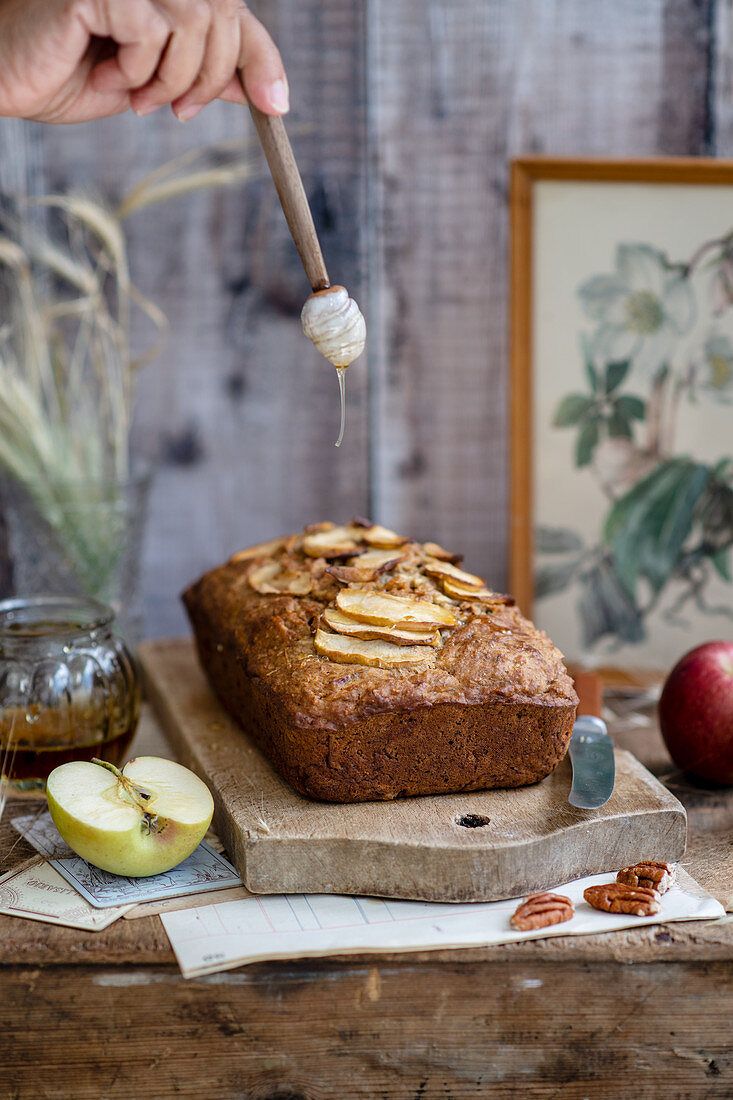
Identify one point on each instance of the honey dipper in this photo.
(330, 318)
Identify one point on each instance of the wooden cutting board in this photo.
(477, 846)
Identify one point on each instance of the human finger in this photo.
(265, 82)
(182, 58)
(220, 60)
(140, 30)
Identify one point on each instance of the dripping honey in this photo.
(341, 373)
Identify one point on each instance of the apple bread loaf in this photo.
(368, 666)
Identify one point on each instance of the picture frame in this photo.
(621, 406)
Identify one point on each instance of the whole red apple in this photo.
(696, 712)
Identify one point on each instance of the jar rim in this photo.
(21, 617)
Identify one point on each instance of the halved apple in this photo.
(377, 654)
(261, 550)
(271, 580)
(140, 821)
(353, 628)
(385, 610)
(440, 569)
(382, 537)
(333, 542)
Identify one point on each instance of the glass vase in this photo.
(78, 538)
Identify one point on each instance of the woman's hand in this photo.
(75, 60)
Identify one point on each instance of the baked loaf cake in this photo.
(368, 666)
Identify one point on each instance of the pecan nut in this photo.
(650, 874)
(617, 897)
(542, 910)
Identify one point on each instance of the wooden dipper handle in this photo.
(289, 186)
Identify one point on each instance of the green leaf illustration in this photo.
(619, 426)
(647, 527)
(723, 468)
(586, 443)
(615, 374)
(592, 375)
(626, 509)
(605, 607)
(633, 408)
(571, 410)
(586, 348)
(662, 551)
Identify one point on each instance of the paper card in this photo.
(172, 905)
(223, 936)
(204, 870)
(36, 891)
(40, 831)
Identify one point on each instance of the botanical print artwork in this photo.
(656, 354)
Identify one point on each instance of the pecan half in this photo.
(542, 910)
(651, 875)
(617, 897)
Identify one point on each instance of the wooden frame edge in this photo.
(640, 170)
(520, 388)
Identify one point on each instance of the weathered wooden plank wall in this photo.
(414, 108)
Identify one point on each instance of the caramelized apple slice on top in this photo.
(334, 542)
(271, 580)
(261, 550)
(434, 551)
(435, 568)
(459, 591)
(385, 610)
(378, 654)
(378, 561)
(382, 537)
(353, 628)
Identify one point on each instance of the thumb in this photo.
(263, 73)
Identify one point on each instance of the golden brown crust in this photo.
(492, 706)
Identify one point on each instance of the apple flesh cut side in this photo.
(696, 712)
(140, 821)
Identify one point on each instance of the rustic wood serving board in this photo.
(411, 848)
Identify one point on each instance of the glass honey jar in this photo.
(69, 687)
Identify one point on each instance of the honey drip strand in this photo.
(341, 372)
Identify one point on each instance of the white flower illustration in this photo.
(643, 309)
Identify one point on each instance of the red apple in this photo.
(696, 712)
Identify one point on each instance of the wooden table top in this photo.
(143, 942)
(108, 1015)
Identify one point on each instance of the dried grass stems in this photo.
(7, 759)
(67, 369)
